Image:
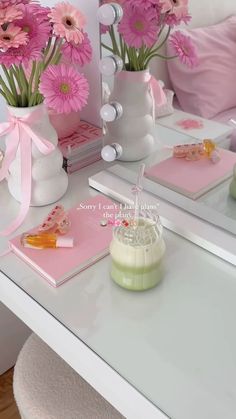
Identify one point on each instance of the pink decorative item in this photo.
(207, 90)
(64, 124)
(189, 151)
(166, 108)
(189, 124)
(57, 221)
(196, 151)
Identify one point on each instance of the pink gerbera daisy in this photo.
(178, 7)
(35, 25)
(41, 12)
(80, 54)
(64, 89)
(68, 22)
(12, 37)
(144, 4)
(9, 14)
(7, 3)
(139, 27)
(173, 20)
(22, 55)
(120, 2)
(184, 48)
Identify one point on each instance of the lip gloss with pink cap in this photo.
(46, 241)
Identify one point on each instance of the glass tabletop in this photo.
(175, 344)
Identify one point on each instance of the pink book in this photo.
(91, 243)
(193, 178)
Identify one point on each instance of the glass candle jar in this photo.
(137, 251)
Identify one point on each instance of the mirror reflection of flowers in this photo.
(144, 29)
(36, 42)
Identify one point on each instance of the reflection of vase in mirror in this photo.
(134, 129)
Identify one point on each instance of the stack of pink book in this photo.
(81, 148)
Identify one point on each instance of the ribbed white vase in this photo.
(49, 180)
(134, 130)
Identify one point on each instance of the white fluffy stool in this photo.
(45, 387)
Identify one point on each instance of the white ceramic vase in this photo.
(134, 130)
(49, 180)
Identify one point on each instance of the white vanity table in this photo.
(168, 352)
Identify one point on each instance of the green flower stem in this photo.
(114, 43)
(57, 55)
(58, 59)
(23, 76)
(32, 99)
(162, 43)
(164, 57)
(25, 86)
(129, 58)
(134, 59)
(161, 30)
(11, 84)
(14, 88)
(16, 74)
(10, 98)
(3, 94)
(37, 76)
(38, 71)
(108, 48)
(57, 45)
(141, 57)
(122, 48)
(126, 54)
(31, 80)
(47, 49)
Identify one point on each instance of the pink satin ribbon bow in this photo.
(22, 135)
(158, 92)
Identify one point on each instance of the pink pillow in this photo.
(210, 88)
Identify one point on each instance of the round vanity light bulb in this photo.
(110, 14)
(110, 112)
(111, 65)
(111, 152)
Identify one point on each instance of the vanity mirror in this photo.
(216, 207)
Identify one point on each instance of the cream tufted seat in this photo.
(45, 387)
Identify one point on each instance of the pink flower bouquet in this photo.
(33, 40)
(144, 29)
